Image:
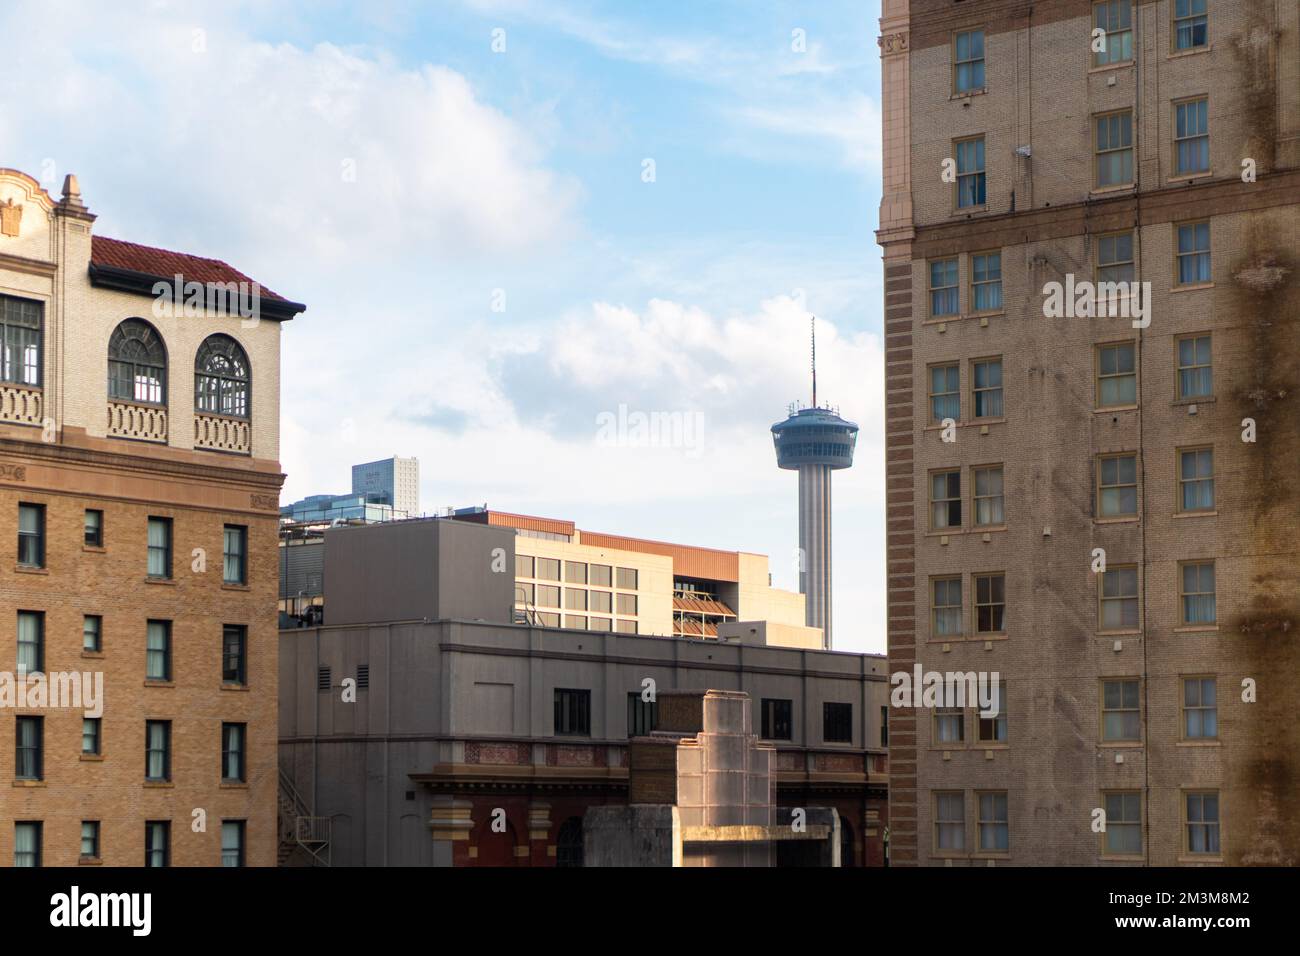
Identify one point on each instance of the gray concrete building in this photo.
(423, 726)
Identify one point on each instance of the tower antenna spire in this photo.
(813, 323)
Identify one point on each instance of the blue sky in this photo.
(495, 272)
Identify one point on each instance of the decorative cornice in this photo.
(142, 283)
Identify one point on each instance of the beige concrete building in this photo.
(585, 580)
(139, 486)
(1102, 508)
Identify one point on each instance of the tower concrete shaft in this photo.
(815, 547)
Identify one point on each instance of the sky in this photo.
(516, 224)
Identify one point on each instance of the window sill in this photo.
(1121, 744)
(1197, 629)
(965, 212)
(30, 784)
(92, 758)
(232, 785)
(1190, 177)
(1191, 287)
(1191, 51)
(94, 549)
(1111, 67)
(158, 683)
(990, 856)
(169, 582)
(24, 569)
(236, 587)
(93, 655)
(1199, 743)
(1210, 859)
(1195, 400)
(89, 861)
(1130, 519)
(1195, 514)
(1111, 190)
(1109, 858)
(159, 785)
(1106, 409)
(968, 638)
(967, 94)
(1133, 633)
(235, 688)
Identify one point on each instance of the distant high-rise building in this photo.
(392, 481)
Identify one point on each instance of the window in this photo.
(993, 730)
(1119, 598)
(157, 843)
(158, 750)
(945, 611)
(970, 173)
(31, 642)
(642, 715)
(602, 576)
(137, 364)
(778, 720)
(523, 566)
(158, 650)
(575, 599)
(20, 341)
(31, 536)
(548, 595)
(90, 839)
(602, 624)
(27, 843)
(575, 622)
(1114, 259)
(625, 627)
(990, 603)
(1123, 823)
(949, 725)
(1114, 148)
(944, 291)
(1195, 368)
(945, 393)
(1198, 593)
(1196, 479)
(1117, 486)
(627, 579)
(1193, 256)
(1192, 136)
(837, 723)
(90, 735)
(569, 843)
(572, 713)
(234, 553)
(234, 739)
(945, 500)
(575, 572)
(92, 633)
(1121, 712)
(988, 496)
(986, 380)
(160, 547)
(884, 726)
(548, 569)
(968, 62)
(29, 748)
(1191, 24)
(1116, 18)
(94, 529)
(949, 821)
(1116, 375)
(234, 654)
(601, 601)
(1200, 708)
(221, 378)
(627, 604)
(1203, 823)
(993, 821)
(232, 842)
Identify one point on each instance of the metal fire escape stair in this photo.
(298, 829)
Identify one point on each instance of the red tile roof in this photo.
(164, 264)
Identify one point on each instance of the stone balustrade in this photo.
(139, 422)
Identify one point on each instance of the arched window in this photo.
(137, 364)
(221, 378)
(568, 844)
(847, 844)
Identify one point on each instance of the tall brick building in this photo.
(139, 487)
(1032, 146)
